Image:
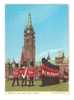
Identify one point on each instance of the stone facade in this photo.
(63, 63)
(9, 70)
(6, 71)
(28, 50)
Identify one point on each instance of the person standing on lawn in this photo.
(24, 74)
(15, 75)
(31, 74)
(43, 71)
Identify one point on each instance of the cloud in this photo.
(51, 52)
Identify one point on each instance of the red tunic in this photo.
(23, 72)
(31, 72)
(20, 71)
(43, 69)
(46, 71)
(15, 72)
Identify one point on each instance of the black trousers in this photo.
(15, 80)
(24, 80)
(43, 80)
(31, 81)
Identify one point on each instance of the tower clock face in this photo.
(28, 31)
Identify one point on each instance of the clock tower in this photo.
(28, 50)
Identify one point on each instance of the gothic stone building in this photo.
(63, 63)
(28, 50)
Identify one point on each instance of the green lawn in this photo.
(57, 87)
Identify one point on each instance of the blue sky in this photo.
(50, 24)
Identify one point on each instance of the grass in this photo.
(57, 87)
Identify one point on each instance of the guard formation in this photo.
(25, 75)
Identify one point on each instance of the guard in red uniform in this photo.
(31, 74)
(43, 71)
(24, 76)
(15, 75)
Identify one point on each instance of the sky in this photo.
(50, 23)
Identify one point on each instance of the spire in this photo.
(29, 27)
(48, 57)
(29, 20)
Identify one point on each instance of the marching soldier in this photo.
(15, 75)
(31, 74)
(43, 71)
(24, 75)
